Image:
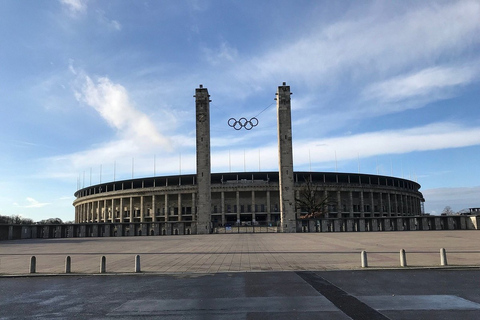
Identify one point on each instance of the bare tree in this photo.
(312, 201)
(51, 221)
(15, 219)
(447, 211)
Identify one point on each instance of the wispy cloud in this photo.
(75, 6)
(113, 104)
(378, 45)
(430, 82)
(32, 203)
(435, 136)
(224, 54)
(110, 24)
(136, 135)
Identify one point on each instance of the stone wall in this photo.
(14, 232)
(422, 223)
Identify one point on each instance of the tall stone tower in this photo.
(204, 196)
(285, 159)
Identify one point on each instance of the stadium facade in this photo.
(245, 198)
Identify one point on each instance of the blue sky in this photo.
(89, 87)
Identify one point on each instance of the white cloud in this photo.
(378, 44)
(115, 25)
(428, 82)
(75, 6)
(113, 104)
(136, 134)
(110, 24)
(224, 54)
(435, 136)
(32, 203)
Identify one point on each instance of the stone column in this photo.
(121, 210)
(372, 204)
(362, 205)
(253, 206)
(113, 213)
(326, 206)
(339, 204)
(194, 203)
(97, 211)
(402, 205)
(101, 211)
(204, 195)
(285, 156)
(166, 207)
(381, 203)
(410, 205)
(415, 206)
(389, 204)
(154, 209)
(131, 212)
(222, 200)
(105, 211)
(179, 203)
(396, 204)
(142, 210)
(93, 211)
(350, 197)
(238, 205)
(269, 210)
(96, 206)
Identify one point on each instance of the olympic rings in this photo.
(243, 123)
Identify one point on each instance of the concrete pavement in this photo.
(241, 252)
(337, 295)
(223, 277)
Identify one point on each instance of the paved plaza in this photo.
(245, 276)
(241, 252)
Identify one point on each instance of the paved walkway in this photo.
(241, 252)
(333, 295)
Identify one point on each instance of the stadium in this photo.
(206, 201)
(246, 199)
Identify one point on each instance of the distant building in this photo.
(474, 211)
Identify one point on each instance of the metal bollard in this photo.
(443, 257)
(103, 265)
(137, 263)
(403, 258)
(68, 264)
(364, 259)
(33, 264)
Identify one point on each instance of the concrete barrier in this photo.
(403, 258)
(364, 259)
(137, 263)
(443, 257)
(68, 264)
(103, 264)
(33, 264)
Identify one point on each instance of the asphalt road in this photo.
(361, 294)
